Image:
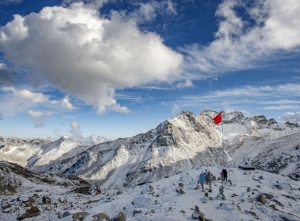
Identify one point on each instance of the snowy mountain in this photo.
(254, 195)
(264, 144)
(178, 144)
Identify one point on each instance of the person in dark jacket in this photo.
(225, 174)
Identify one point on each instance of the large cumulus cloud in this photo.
(83, 54)
(244, 42)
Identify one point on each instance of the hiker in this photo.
(225, 174)
(222, 175)
(209, 180)
(201, 180)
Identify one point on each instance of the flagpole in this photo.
(222, 130)
(222, 121)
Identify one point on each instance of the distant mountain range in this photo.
(177, 144)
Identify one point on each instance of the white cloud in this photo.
(77, 135)
(6, 2)
(26, 94)
(37, 114)
(170, 7)
(175, 109)
(65, 103)
(147, 11)
(39, 117)
(88, 56)
(91, 3)
(75, 130)
(187, 83)
(93, 140)
(292, 117)
(26, 98)
(240, 46)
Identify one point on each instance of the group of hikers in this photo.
(207, 178)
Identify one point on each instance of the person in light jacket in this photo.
(209, 180)
(201, 180)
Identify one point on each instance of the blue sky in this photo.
(100, 69)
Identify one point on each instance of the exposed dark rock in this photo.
(88, 190)
(278, 203)
(46, 200)
(32, 212)
(65, 214)
(79, 216)
(120, 217)
(290, 197)
(136, 212)
(261, 198)
(5, 206)
(151, 188)
(30, 202)
(180, 191)
(181, 184)
(101, 217)
(251, 212)
(268, 195)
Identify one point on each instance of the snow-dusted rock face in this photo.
(280, 156)
(177, 144)
(270, 146)
(242, 135)
(18, 150)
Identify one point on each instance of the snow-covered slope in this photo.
(255, 195)
(20, 151)
(280, 156)
(37, 151)
(177, 144)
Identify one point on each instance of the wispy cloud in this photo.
(282, 107)
(278, 97)
(129, 97)
(39, 117)
(37, 114)
(75, 130)
(175, 109)
(77, 135)
(7, 2)
(185, 84)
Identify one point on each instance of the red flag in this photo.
(218, 118)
